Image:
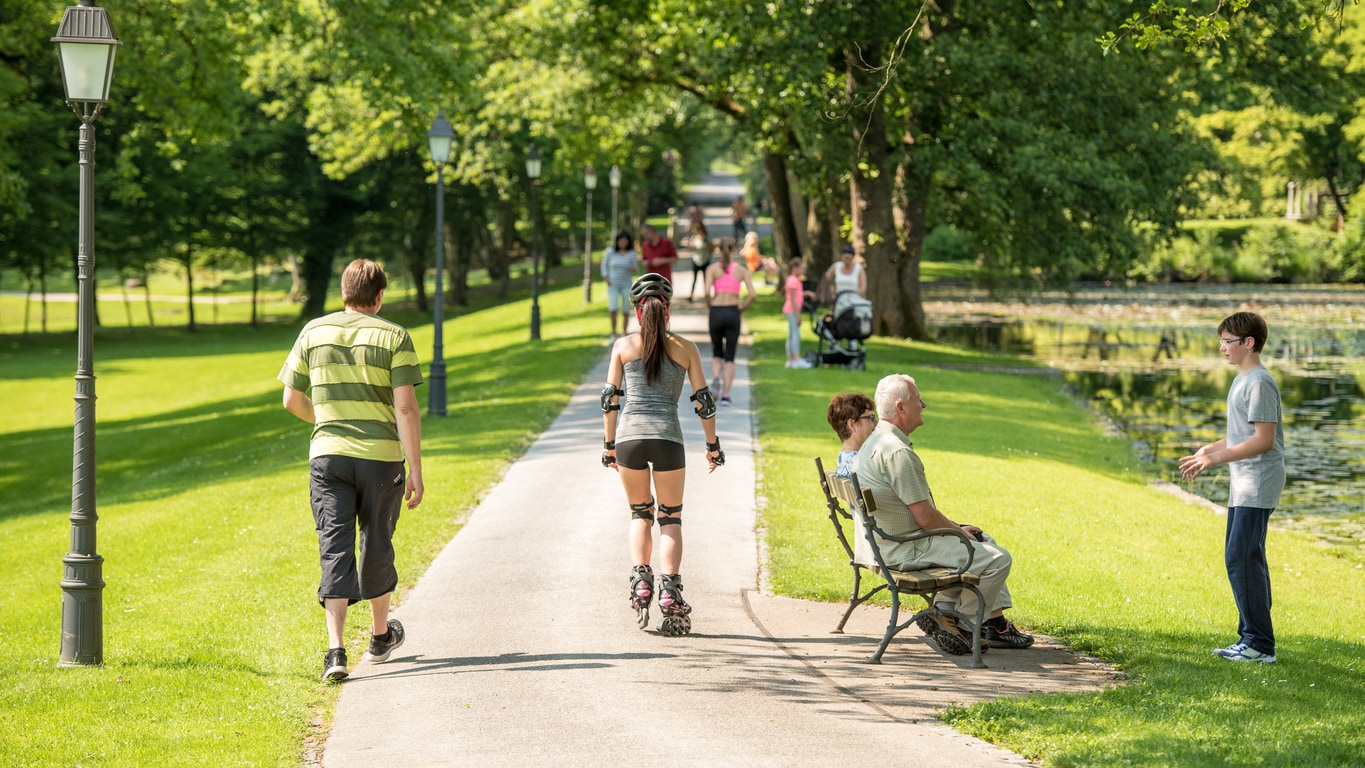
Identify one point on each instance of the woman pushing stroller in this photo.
(644, 443)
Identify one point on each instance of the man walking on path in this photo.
(659, 253)
(362, 371)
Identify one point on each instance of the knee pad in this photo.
(643, 511)
(669, 515)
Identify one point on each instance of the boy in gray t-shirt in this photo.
(1254, 452)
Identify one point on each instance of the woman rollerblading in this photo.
(644, 444)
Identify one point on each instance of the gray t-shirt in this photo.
(1257, 481)
(651, 412)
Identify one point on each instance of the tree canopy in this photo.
(250, 131)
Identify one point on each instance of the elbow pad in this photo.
(706, 402)
(608, 392)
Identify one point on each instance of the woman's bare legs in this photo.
(669, 489)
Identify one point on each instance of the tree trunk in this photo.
(874, 226)
(189, 282)
(912, 193)
(255, 277)
(417, 270)
(42, 293)
(127, 307)
(505, 235)
(800, 215)
(147, 296)
(785, 241)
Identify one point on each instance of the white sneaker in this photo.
(1242, 652)
(801, 364)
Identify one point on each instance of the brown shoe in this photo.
(946, 634)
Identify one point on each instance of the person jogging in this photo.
(644, 444)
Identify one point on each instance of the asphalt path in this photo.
(522, 648)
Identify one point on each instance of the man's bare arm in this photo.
(409, 415)
(929, 518)
(298, 404)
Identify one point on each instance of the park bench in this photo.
(841, 492)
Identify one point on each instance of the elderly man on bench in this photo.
(888, 466)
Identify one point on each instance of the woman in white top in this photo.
(847, 274)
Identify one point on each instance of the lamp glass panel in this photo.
(533, 167)
(440, 148)
(87, 69)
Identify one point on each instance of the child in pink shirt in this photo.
(791, 307)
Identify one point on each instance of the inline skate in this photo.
(673, 607)
(641, 593)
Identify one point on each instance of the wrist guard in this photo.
(720, 455)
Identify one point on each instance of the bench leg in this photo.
(890, 628)
(854, 601)
(977, 663)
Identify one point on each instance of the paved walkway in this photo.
(522, 649)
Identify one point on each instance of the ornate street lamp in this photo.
(533, 173)
(439, 139)
(615, 177)
(85, 44)
(589, 183)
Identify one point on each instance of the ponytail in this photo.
(653, 336)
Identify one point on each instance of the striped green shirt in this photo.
(352, 361)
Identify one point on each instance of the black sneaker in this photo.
(334, 665)
(383, 645)
(1009, 637)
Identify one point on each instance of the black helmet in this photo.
(652, 284)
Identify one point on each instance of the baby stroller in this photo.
(841, 331)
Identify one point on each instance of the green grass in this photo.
(1102, 561)
(212, 635)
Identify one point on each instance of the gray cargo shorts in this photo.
(347, 495)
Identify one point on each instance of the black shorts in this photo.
(663, 455)
(724, 322)
(351, 495)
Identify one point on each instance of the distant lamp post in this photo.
(439, 139)
(533, 173)
(615, 177)
(589, 183)
(85, 44)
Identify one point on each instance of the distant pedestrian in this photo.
(846, 274)
(723, 281)
(701, 257)
(644, 443)
(1253, 449)
(695, 216)
(794, 293)
(659, 253)
(619, 266)
(352, 375)
(756, 261)
(739, 213)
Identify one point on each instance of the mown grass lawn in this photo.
(213, 638)
(1103, 562)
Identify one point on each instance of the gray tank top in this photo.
(651, 412)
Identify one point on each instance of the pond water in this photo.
(1165, 385)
